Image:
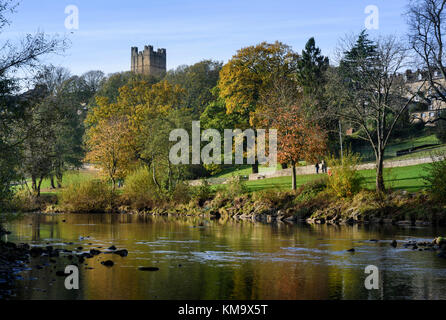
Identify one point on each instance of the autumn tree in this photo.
(137, 102)
(299, 137)
(108, 148)
(144, 112)
(249, 73)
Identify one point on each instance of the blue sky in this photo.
(192, 30)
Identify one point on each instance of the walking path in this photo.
(307, 170)
(304, 170)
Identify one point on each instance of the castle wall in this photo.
(148, 61)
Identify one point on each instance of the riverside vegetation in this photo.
(335, 198)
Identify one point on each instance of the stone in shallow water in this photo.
(95, 252)
(122, 253)
(108, 263)
(148, 269)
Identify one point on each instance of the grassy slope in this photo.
(390, 153)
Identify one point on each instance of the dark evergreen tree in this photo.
(312, 66)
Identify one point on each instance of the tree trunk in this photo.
(154, 177)
(53, 186)
(255, 167)
(37, 187)
(293, 182)
(380, 187)
(34, 184)
(59, 178)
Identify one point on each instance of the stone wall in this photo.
(148, 61)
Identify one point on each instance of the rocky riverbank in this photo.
(13, 259)
(399, 208)
(312, 203)
(16, 258)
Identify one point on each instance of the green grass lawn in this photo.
(69, 178)
(242, 170)
(366, 152)
(405, 178)
(392, 148)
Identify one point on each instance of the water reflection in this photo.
(204, 259)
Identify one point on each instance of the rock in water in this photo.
(108, 263)
(148, 269)
(112, 248)
(122, 253)
(439, 241)
(394, 244)
(351, 250)
(36, 252)
(95, 252)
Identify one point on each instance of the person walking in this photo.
(317, 168)
(324, 167)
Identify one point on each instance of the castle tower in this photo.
(148, 61)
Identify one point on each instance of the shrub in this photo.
(344, 180)
(88, 196)
(23, 201)
(202, 193)
(182, 193)
(235, 187)
(310, 190)
(139, 189)
(436, 178)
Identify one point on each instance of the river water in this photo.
(215, 259)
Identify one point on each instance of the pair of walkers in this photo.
(321, 167)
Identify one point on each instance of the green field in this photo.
(69, 178)
(405, 178)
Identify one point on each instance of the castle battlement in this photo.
(148, 61)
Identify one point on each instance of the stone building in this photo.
(427, 106)
(148, 61)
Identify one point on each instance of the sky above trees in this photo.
(193, 30)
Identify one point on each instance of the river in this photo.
(215, 259)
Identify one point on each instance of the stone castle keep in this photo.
(148, 62)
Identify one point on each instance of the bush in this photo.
(88, 196)
(23, 201)
(436, 178)
(201, 193)
(344, 180)
(235, 187)
(310, 190)
(182, 193)
(139, 189)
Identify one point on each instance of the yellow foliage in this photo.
(115, 137)
(251, 71)
(108, 148)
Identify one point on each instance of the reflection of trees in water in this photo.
(235, 260)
